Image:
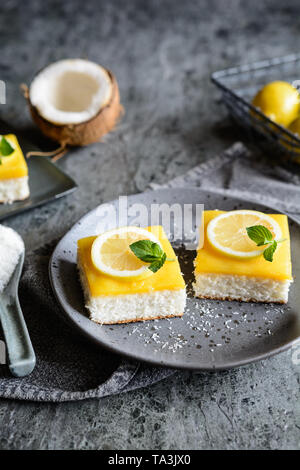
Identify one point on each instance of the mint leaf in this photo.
(260, 234)
(5, 148)
(156, 265)
(157, 250)
(149, 252)
(269, 252)
(146, 250)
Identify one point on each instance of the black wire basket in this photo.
(240, 84)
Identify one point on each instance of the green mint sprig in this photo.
(5, 149)
(150, 252)
(262, 236)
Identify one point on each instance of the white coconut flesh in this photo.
(70, 91)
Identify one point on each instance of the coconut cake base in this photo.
(14, 189)
(106, 309)
(242, 288)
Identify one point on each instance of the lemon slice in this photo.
(227, 233)
(111, 253)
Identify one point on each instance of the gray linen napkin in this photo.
(68, 367)
(239, 173)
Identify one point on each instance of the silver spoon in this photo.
(21, 355)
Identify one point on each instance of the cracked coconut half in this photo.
(74, 102)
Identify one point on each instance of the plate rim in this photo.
(158, 363)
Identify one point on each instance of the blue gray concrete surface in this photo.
(162, 53)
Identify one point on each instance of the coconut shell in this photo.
(86, 132)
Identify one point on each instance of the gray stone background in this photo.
(162, 53)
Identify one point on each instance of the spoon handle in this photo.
(21, 355)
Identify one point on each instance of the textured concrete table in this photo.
(162, 53)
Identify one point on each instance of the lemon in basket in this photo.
(294, 127)
(279, 101)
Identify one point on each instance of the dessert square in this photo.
(112, 300)
(13, 174)
(222, 277)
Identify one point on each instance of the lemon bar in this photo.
(112, 300)
(218, 276)
(13, 173)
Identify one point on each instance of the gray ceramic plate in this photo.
(46, 180)
(211, 335)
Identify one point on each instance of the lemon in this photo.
(111, 253)
(227, 232)
(279, 101)
(295, 127)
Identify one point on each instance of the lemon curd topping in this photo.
(210, 260)
(168, 277)
(13, 165)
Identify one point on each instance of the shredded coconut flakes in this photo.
(11, 247)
